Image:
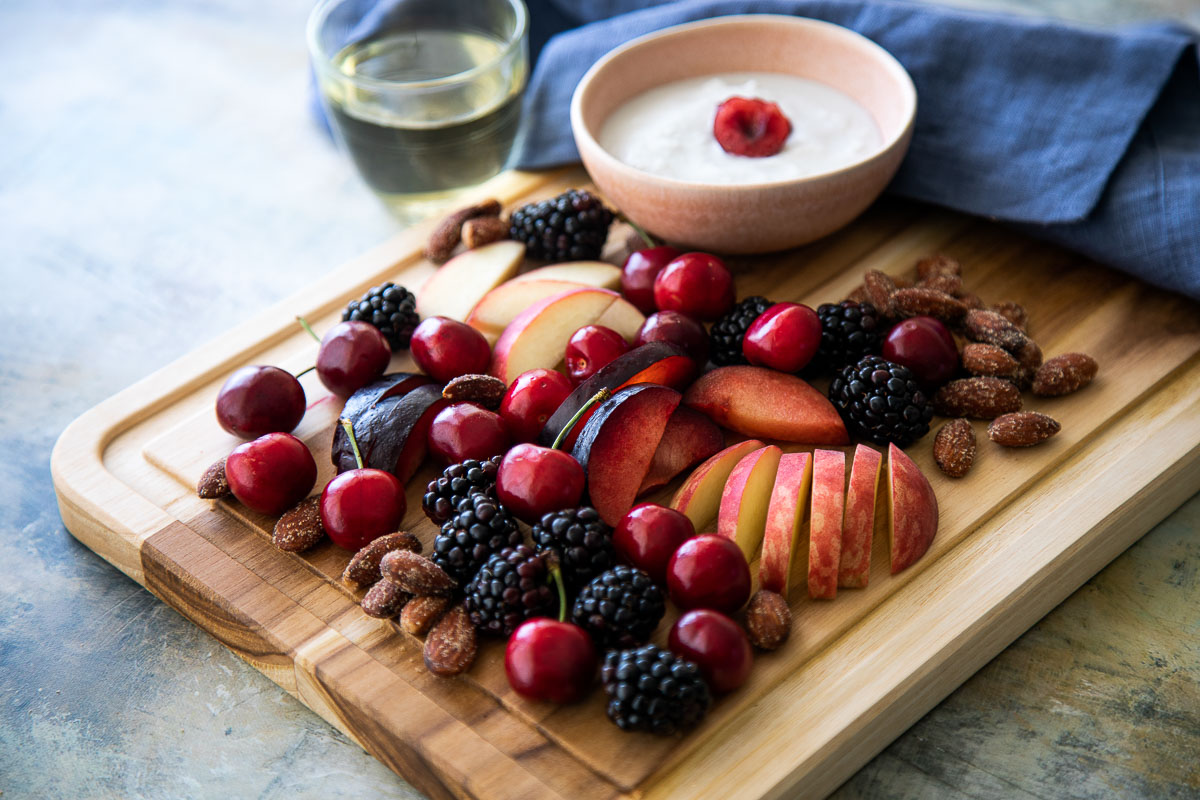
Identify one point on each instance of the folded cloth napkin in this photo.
(1086, 137)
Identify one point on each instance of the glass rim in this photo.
(323, 61)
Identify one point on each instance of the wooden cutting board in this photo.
(1017, 536)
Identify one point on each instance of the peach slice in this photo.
(742, 516)
(914, 510)
(781, 539)
(618, 443)
(600, 274)
(690, 437)
(858, 525)
(766, 404)
(502, 305)
(462, 281)
(825, 524)
(700, 496)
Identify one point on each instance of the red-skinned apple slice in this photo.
(499, 307)
(742, 516)
(858, 524)
(700, 496)
(913, 510)
(658, 362)
(618, 443)
(785, 515)
(590, 273)
(690, 437)
(766, 404)
(825, 523)
(462, 281)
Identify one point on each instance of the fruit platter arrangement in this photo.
(538, 507)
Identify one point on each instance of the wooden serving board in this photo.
(1018, 535)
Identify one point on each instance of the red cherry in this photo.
(678, 329)
(464, 430)
(784, 337)
(550, 660)
(530, 400)
(352, 355)
(718, 646)
(709, 571)
(649, 535)
(639, 272)
(750, 127)
(533, 480)
(446, 348)
(697, 284)
(272, 473)
(361, 505)
(924, 345)
(590, 348)
(258, 400)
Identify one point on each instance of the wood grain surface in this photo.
(989, 575)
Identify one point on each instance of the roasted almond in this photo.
(448, 233)
(879, 289)
(363, 568)
(988, 360)
(213, 483)
(421, 612)
(1022, 429)
(451, 645)
(1029, 356)
(978, 398)
(1064, 374)
(943, 282)
(300, 528)
(482, 389)
(768, 620)
(919, 301)
(1014, 313)
(954, 448)
(384, 600)
(483, 230)
(415, 574)
(938, 265)
(991, 328)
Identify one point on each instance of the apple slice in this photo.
(657, 362)
(699, 498)
(766, 404)
(462, 281)
(742, 516)
(858, 525)
(539, 334)
(623, 317)
(392, 434)
(914, 510)
(590, 273)
(781, 539)
(618, 443)
(825, 523)
(690, 437)
(502, 305)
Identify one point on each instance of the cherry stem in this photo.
(348, 427)
(647, 238)
(557, 579)
(598, 397)
(305, 371)
(304, 324)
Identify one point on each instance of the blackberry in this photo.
(392, 309)
(726, 333)
(849, 331)
(509, 588)
(882, 401)
(480, 527)
(456, 482)
(570, 227)
(620, 607)
(582, 541)
(651, 689)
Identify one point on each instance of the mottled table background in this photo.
(159, 181)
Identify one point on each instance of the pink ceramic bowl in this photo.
(759, 217)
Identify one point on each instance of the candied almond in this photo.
(213, 483)
(448, 233)
(1064, 374)
(451, 645)
(919, 301)
(768, 620)
(363, 568)
(938, 264)
(483, 230)
(954, 448)
(1014, 313)
(415, 574)
(300, 527)
(970, 300)
(1022, 429)
(384, 600)
(858, 295)
(421, 613)
(991, 328)
(978, 398)
(943, 282)
(485, 390)
(879, 289)
(989, 360)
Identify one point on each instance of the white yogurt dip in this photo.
(668, 130)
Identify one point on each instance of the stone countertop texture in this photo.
(160, 179)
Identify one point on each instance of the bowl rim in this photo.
(611, 162)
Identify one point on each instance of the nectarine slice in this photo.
(785, 515)
(914, 510)
(690, 437)
(767, 404)
(618, 443)
(700, 496)
(825, 523)
(742, 516)
(858, 525)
